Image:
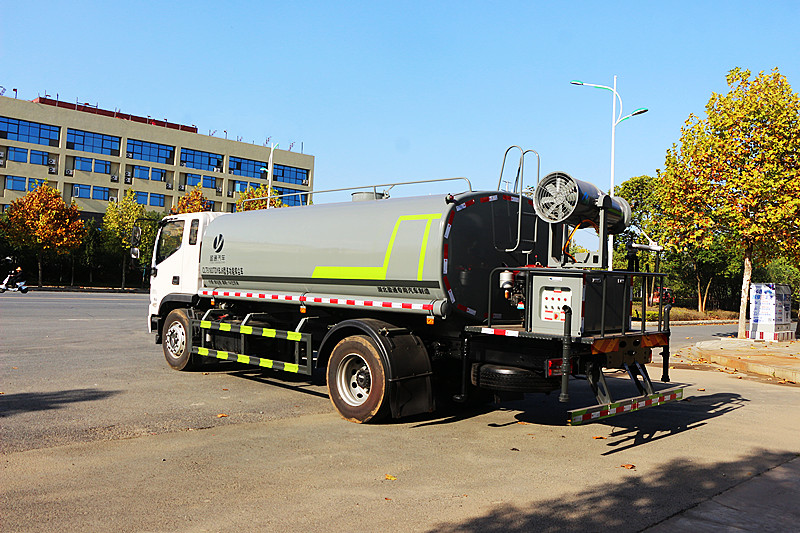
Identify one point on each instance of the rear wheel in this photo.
(357, 383)
(177, 341)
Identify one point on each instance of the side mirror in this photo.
(136, 237)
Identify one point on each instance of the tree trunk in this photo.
(124, 265)
(705, 296)
(748, 273)
(72, 270)
(39, 260)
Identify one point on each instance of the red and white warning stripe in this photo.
(501, 332)
(317, 300)
(579, 416)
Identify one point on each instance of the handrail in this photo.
(373, 187)
(518, 185)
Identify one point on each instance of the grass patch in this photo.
(683, 313)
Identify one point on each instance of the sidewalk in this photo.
(767, 502)
(779, 360)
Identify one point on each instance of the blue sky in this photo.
(382, 92)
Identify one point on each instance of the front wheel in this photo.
(357, 383)
(177, 341)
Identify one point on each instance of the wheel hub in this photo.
(363, 379)
(354, 380)
(175, 339)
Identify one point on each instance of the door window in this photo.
(169, 240)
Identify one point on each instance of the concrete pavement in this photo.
(767, 502)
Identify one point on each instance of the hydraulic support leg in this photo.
(465, 369)
(566, 355)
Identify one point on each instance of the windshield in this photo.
(169, 240)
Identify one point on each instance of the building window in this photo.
(83, 163)
(158, 174)
(192, 179)
(240, 186)
(255, 185)
(100, 193)
(39, 158)
(142, 173)
(15, 183)
(81, 191)
(34, 183)
(294, 199)
(209, 182)
(32, 132)
(298, 176)
(147, 151)
(86, 141)
(103, 167)
(20, 155)
(141, 198)
(200, 160)
(156, 199)
(246, 167)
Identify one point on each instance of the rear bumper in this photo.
(601, 411)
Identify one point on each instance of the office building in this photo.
(94, 156)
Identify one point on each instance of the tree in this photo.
(262, 192)
(118, 222)
(735, 175)
(42, 222)
(194, 202)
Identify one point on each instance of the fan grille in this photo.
(556, 198)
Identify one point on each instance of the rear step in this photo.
(598, 412)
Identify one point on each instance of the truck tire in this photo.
(357, 382)
(177, 341)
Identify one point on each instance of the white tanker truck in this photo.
(398, 298)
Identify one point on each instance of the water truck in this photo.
(399, 301)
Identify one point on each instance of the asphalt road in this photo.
(98, 434)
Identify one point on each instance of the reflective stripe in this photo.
(319, 300)
(246, 330)
(248, 359)
(598, 412)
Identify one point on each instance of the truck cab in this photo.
(174, 271)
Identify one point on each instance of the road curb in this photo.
(777, 360)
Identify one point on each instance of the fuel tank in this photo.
(433, 250)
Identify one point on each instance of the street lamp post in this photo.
(616, 118)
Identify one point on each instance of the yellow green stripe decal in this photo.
(379, 272)
(248, 359)
(295, 336)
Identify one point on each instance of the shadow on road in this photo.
(635, 502)
(25, 402)
(641, 427)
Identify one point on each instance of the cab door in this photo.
(168, 267)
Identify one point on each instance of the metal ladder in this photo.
(518, 188)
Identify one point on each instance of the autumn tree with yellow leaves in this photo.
(257, 199)
(735, 177)
(42, 222)
(193, 202)
(118, 223)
